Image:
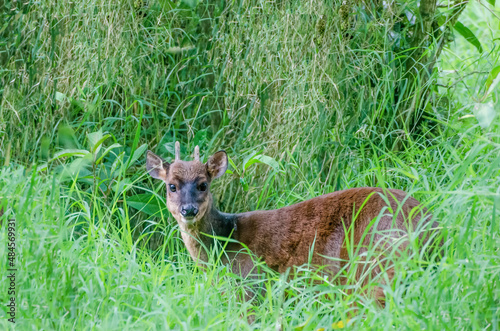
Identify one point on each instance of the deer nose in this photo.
(189, 211)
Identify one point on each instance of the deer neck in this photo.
(213, 223)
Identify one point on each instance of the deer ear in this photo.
(217, 164)
(156, 166)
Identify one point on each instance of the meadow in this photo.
(305, 102)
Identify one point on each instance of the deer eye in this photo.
(202, 187)
(172, 187)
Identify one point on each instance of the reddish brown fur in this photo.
(188, 171)
(283, 238)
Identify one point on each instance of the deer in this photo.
(283, 238)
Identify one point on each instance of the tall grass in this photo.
(285, 79)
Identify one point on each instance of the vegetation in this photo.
(306, 98)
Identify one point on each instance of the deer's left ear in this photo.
(217, 164)
(156, 166)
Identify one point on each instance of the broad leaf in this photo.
(491, 77)
(248, 159)
(179, 50)
(268, 161)
(262, 159)
(469, 36)
(190, 3)
(244, 184)
(69, 153)
(122, 185)
(95, 140)
(60, 96)
(106, 151)
(148, 203)
(41, 167)
(136, 155)
(94, 137)
(77, 169)
(170, 147)
(199, 139)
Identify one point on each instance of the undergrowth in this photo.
(303, 106)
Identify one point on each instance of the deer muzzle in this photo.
(189, 211)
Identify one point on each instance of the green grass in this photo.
(249, 77)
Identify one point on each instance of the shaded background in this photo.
(306, 98)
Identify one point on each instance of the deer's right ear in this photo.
(156, 166)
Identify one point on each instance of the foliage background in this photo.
(87, 87)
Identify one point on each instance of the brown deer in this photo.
(283, 238)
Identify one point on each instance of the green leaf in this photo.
(190, 3)
(262, 159)
(106, 151)
(247, 160)
(78, 169)
(244, 184)
(96, 139)
(493, 74)
(67, 136)
(178, 50)
(122, 185)
(469, 36)
(268, 161)
(170, 147)
(136, 155)
(231, 162)
(78, 104)
(118, 164)
(484, 113)
(148, 203)
(200, 138)
(69, 153)
(250, 162)
(60, 96)
(492, 3)
(41, 167)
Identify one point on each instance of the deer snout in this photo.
(189, 211)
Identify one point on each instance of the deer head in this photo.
(188, 182)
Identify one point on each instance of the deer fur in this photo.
(284, 237)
